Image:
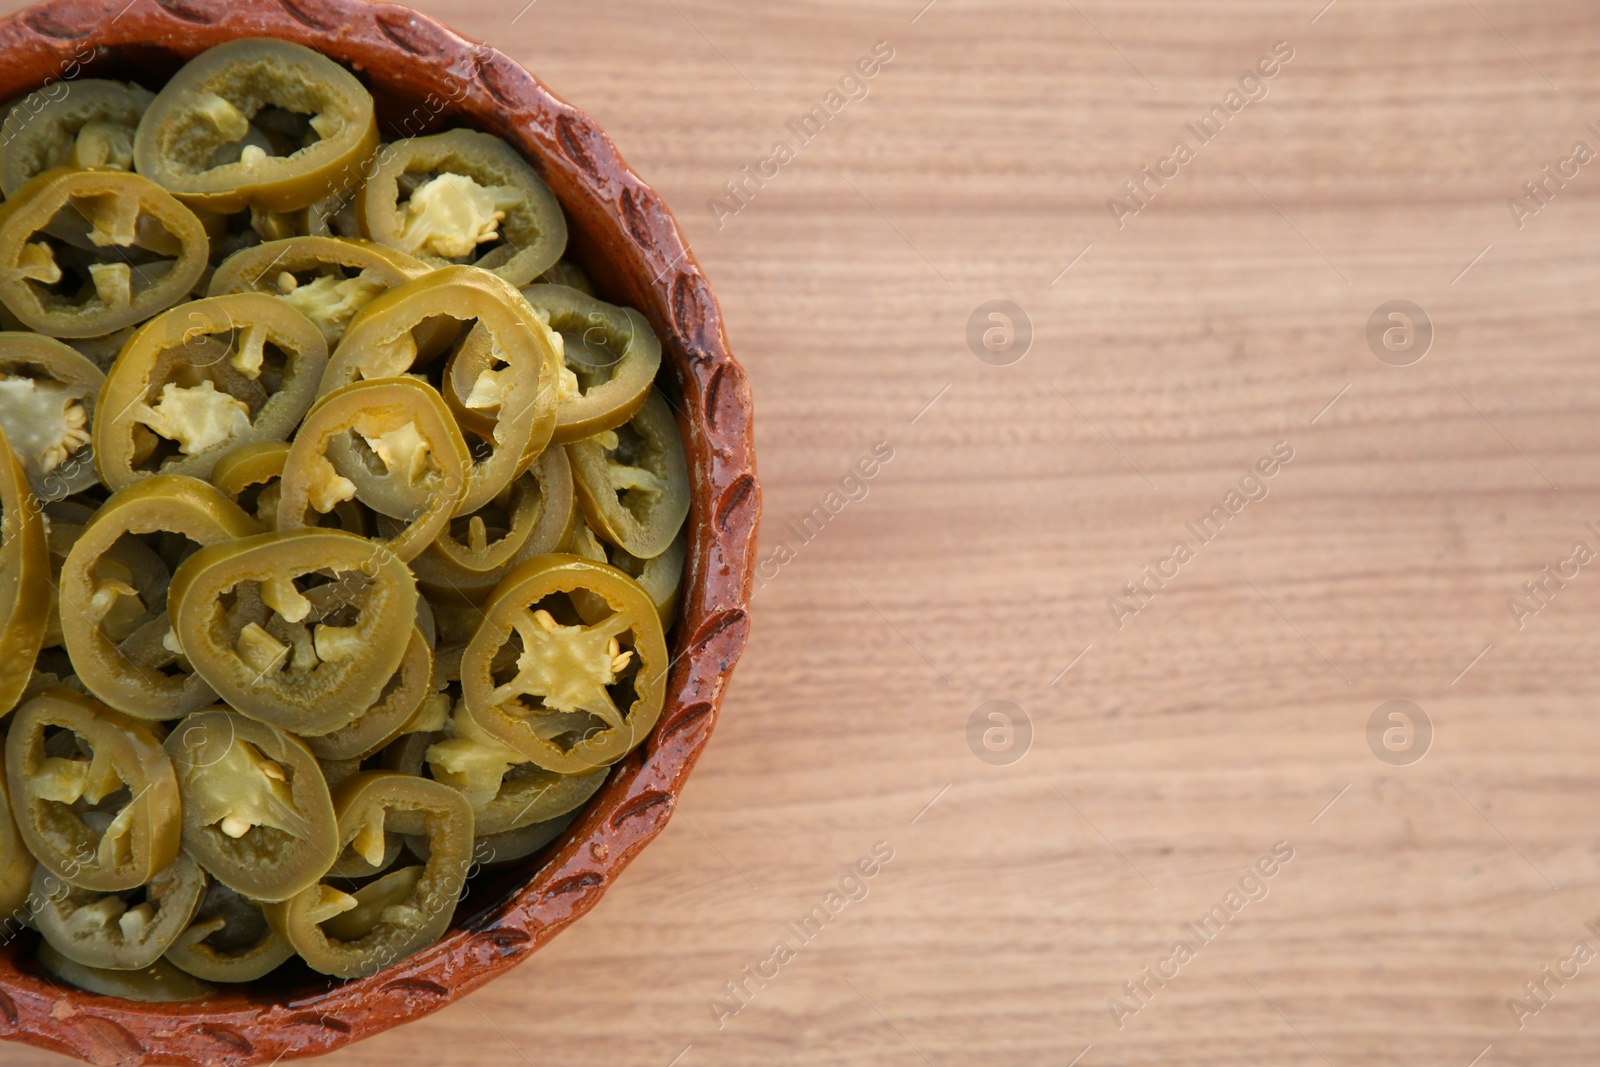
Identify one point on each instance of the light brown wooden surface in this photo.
(1227, 715)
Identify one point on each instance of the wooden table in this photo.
(1167, 756)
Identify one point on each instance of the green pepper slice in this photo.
(126, 931)
(47, 398)
(151, 250)
(569, 274)
(493, 852)
(90, 126)
(249, 476)
(114, 594)
(160, 983)
(256, 811)
(94, 795)
(381, 723)
(463, 197)
(257, 122)
(505, 790)
(24, 579)
(532, 516)
(389, 443)
(611, 352)
(228, 940)
(556, 704)
(633, 482)
(326, 279)
(411, 908)
(511, 361)
(309, 658)
(16, 862)
(202, 379)
(660, 576)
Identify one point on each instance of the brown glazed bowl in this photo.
(426, 78)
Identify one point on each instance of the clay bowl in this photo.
(426, 78)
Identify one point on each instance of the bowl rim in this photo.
(648, 263)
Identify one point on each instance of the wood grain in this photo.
(1231, 712)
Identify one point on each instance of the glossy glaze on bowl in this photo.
(424, 78)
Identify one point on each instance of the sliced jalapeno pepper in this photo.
(305, 662)
(126, 931)
(16, 862)
(90, 126)
(24, 579)
(505, 790)
(512, 371)
(326, 279)
(160, 983)
(463, 197)
(202, 379)
(95, 797)
(569, 274)
(493, 852)
(228, 940)
(248, 475)
(660, 576)
(532, 516)
(612, 352)
(383, 721)
(256, 812)
(114, 595)
(257, 122)
(410, 908)
(47, 398)
(153, 251)
(633, 482)
(557, 704)
(389, 443)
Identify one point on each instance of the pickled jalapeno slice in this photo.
(114, 593)
(88, 127)
(256, 810)
(124, 931)
(202, 379)
(228, 940)
(611, 353)
(249, 476)
(381, 723)
(16, 862)
(302, 629)
(160, 983)
(579, 695)
(257, 122)
(660, 576)
(326, 279)
(507, 370)
(505, 790)
(532, 516)
(47, 400)
(463, 197)
(148, 252)
(349, 935)
(388, 443)
(633, 482)
(94, 795)
(24, 579)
